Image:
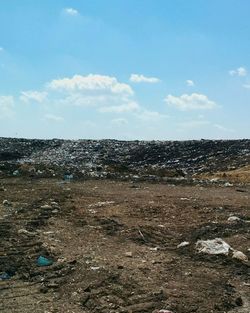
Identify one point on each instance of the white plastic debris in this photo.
(6, 203)
(23, 231)
(233, 219)
(183, 244)
(129, 254)
(215, 246)
(46, 207)
(240, 256)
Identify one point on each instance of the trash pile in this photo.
(150, 160)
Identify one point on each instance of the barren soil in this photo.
(114, 246)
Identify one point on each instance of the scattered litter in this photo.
(23, 231)
(227, 184)
(6, 275)
(95, 268)
(164, 311)
(6, 203)
(240, 256)
(215, 246)
(234, 219)
(68, 177)
(46, 207)
(42, 261)
(183, 244)
(15, 173)
(154, 249)
(100, 204)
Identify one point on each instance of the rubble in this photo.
(240, 256)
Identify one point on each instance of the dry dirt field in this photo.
(114, 247)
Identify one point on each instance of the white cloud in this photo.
(131, 106)
(240, 71)
(54, 118)
(247, 86)
(190, 83)
(190, 102)
(119, 121)
(32, 95)
(70, 11)
(136, 78)
(147, 115)
(225, 129)
(193, 124)
(91, 83)
(6, 106)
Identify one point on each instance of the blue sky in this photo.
(134, 69)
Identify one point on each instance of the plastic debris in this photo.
(240, 256)
(68, 177)
(215, 246)
(15, 173)
(42, 261)
(46, 207)
(7, 275)
(183, 244)
(233, 219)
(6, 203)
(23, 231)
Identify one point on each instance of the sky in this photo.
(134, 69)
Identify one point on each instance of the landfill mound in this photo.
(151, 160)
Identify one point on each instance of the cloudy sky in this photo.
(134, 69)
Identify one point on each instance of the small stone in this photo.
(129, 254)
(240, 256)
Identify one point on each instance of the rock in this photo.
(183, 244)
(215, 247)
(240, 256)
(129, 254)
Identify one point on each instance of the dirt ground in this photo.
(114, 247)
